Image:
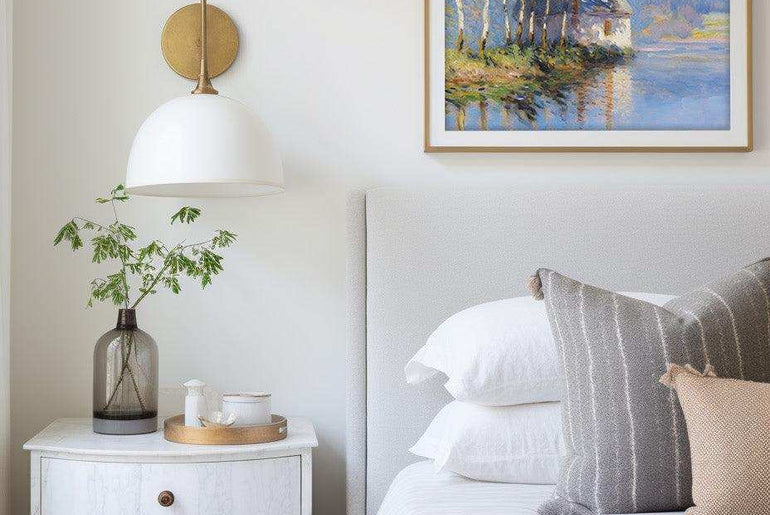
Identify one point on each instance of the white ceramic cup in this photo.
(250, 409)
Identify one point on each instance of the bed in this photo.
(416, 257)
(419, 490)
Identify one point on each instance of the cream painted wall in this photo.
(340, 84)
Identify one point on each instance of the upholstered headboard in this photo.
(418, 256)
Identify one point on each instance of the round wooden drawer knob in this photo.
(166, 498)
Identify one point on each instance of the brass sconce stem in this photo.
(204, 82)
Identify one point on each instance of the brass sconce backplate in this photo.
(181, 41)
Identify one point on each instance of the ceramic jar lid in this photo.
(249, 397)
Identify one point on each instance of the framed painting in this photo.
(588, 75)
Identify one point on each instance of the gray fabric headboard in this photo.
(418, 256)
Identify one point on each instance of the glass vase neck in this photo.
(126, 319)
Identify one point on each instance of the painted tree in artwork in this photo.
(563, 38)
(544, 32)
(531, 36)
(575, 22)
(460, 25)
(520, 27)
(507, 19)
(484, 29)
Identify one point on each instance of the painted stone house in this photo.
(586, 22)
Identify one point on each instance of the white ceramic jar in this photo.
(194, 403)
(250, 409)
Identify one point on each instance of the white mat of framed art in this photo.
(439, 137)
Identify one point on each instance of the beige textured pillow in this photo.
(728, 422)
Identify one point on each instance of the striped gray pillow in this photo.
(627, 446)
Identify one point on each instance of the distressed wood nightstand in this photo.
(75, 471)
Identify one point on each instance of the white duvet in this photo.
(418, 490)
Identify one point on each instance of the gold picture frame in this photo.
(434, 148)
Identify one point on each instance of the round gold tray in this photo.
(174, 430)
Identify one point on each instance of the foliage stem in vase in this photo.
(125, 392)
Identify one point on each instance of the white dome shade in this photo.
(204, 146)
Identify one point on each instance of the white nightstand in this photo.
(75, 471)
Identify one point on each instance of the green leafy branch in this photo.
(155, 265)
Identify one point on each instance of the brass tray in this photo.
(174, 430)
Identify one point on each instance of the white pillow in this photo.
(497, 354)
(512, 444)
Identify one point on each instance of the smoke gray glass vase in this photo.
(125, 380)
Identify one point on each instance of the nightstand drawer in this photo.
(265, 487)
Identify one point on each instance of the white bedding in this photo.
(418, 490)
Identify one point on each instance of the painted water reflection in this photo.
(665, 87)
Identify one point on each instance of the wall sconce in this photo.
(203, 144)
